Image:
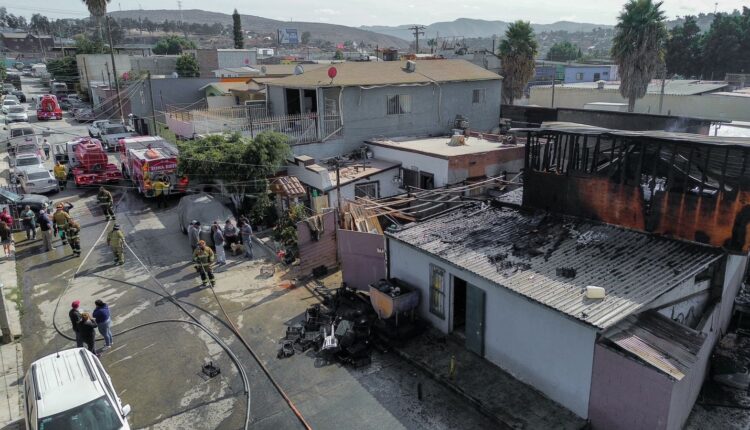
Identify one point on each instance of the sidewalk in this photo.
(11, 355)
(491, 390)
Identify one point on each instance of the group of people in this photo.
(84, 324)
(223, 239)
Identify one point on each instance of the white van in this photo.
(71, 390)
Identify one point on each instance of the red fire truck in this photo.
(146, 159)
(48, 108)
(92, 165)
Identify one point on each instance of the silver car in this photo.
(7, 105)
(38, 181)
(16, 114)
(204, 208)
(25, 162)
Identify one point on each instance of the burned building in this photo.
(609, 288)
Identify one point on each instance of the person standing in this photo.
(230, 234)
(29, 222)
(107, 203)
(203, 257)
(47, 147)
(45, 228)
(5, 237)
(160, 193)
(104, 322)
(194, 233)
(61, 220)
(61, 175)
(7, 217)
(247, 238)
(75, 320)
(218, 236)
(74, 230)
(116, 241)
(86, 329)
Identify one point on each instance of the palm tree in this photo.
(638, 47)
(97, 9)
(517, 52)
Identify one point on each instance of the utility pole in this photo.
(114, 70)
(553, 89)
(417, 29)
(153, 109)
(338, 184)
(661, 93)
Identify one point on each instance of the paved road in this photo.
(156, 367)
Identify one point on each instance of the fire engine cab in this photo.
(146, 159)
(48, 108)
(92, 165)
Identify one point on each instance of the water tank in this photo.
(411, 66)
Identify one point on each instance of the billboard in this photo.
(288, 36)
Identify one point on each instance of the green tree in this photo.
(187, 66)
(563, 51)
(97, 9)
(242, 165)
(339, 55)
(517, 52)
(683, 49)
(85, 45)
(39, 24)
(64, 69)
(285, 232)
(306, 37)
(721, 47)
(638, 47)
(239, 40)
(172, 45)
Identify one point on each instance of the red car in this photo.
(48, 108)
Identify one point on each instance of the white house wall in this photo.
(415, 161)
(387, 187)
(536, 344)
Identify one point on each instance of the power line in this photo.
(417, 30)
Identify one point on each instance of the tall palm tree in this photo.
(97, 9)
(517, 52)
(638, 47)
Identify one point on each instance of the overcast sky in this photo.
(388, 12)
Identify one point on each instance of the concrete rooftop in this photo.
(438, 146)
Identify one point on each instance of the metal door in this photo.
(475, 319)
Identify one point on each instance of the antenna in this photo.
(716, 6)
(179, 6)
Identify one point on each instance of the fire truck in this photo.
(48, 108)
(146, 159)
(92, 167)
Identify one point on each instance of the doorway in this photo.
(459, 304)
(310, 101)
(293, 106)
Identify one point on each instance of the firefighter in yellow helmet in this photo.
(203, 257)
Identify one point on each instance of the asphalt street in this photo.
(155, 364)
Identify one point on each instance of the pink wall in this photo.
(626, 394)
(362, 257)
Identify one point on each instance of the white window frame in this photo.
(437, 295)
(579, 76)
(478, 96)
(365, 185)
(397, 104)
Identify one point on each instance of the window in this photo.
(398, 104)
(597, 76)
(579, 76)
(426, 181)
(367, 189)
(409, 178)
(437, 291)
(477, 96)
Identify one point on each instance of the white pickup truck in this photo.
(111, 135)
(96, 127)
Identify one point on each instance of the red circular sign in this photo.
(332, 72)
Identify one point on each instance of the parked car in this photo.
(8, 88)
(7, 104)
(17, 114)
(84, 114)
(38, 180)
(204, 208)
(11, 97)
(18, 201)
(71, 390)
(24, 162)
(21, 96)
(111, 135)
(96, 127)
(26, 147)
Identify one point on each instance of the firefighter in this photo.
(107, 203)
(61, 220)
(160, 192)
(116, 241)
(203, 257)
(74, 229)
(61, 175)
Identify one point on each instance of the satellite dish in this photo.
(263, 69)
(175, 75)
(332, 72)
(298, 69)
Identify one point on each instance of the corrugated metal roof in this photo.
(388, 73)
(678, 87)
(532, 255)
(666, 345)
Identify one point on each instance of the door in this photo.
(475, 319)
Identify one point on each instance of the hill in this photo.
(328, 32)
(471, 28)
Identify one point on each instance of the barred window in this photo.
(437, 291)
(477, 96)
(367, 189)
(398, 104)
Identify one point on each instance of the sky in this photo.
(389, 12)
